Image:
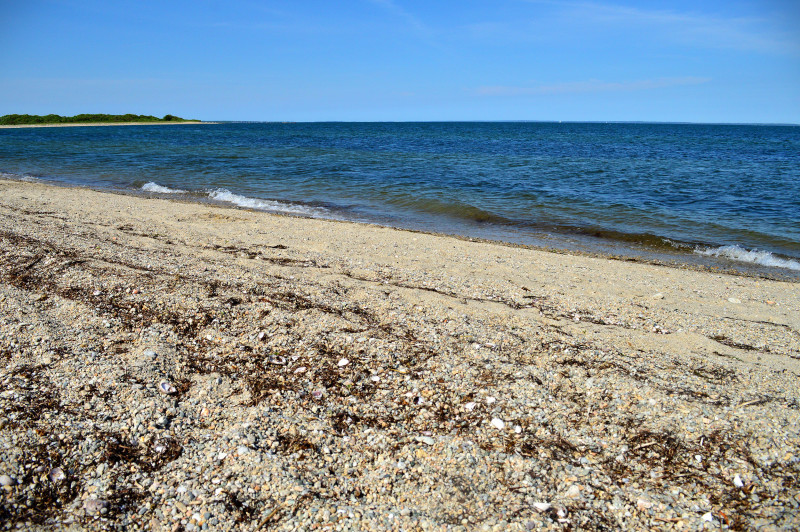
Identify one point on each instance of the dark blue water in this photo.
(729, 193)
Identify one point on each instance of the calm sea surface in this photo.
(726, 195)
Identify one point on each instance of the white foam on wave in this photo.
(738, 253)
(155, 187)
(222, 194)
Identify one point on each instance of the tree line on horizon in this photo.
(19, 120)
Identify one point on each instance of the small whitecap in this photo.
(155, 187)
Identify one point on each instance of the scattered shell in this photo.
(658, 296)
(5, 480)
(737, 481)
(498, 423)
(149, 353)
(94, 506)
(517, 429)
(277, 360)
(317, 394)
(708, 517)
(375, 378)
(242, 450)
(574, 492)
(343, 362)
(643, 504)
(301, 369)
(490, 400)
(734, 300)
(56, 474)
(425, 439)
(166, 388)
(542, 506)
(469, 406)
(262, 335)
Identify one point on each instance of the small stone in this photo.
(56, 475)
(643, 504)
(94, 506)
(425, 439)
(469, 406)
(574, 492)
(737, 481)
(708, 517)
(498, 423)
(343, 362)
(5, 480)
(490, 400)
(658, 296)
(149, 353)
(301, 369)
(734, 300)
(242, 450)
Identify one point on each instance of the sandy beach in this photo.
(180, 366)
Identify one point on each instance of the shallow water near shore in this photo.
(725, 196)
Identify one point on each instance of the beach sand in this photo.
(180, 366)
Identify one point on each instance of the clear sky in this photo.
(295, 60)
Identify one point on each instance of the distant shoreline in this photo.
(93, 124)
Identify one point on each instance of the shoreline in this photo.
(638, 253)
(92, 124)
(173, 364)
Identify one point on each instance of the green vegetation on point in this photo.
(19, 120)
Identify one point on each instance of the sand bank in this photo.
(169, 365)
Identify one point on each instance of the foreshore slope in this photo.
(180, 366)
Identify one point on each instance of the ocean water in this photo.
(721, 195)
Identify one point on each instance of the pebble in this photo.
(6, 480)
(343, 362)
(498, 423)
(94, 506)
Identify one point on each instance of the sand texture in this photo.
(177, 366)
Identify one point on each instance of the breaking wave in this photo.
(222, 194)
(763, 258)
(155, 187)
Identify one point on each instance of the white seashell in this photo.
(490, 400)
(498, 423)
(375, 378)
(301, 369)
(56, 474)
(542, 506)
(343, 362)
(737, 481)
(517, 429)
(708, 517)
(277, 360)
(166, 388)
(427, 440)
(469, 406)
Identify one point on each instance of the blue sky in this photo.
(696, 61)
